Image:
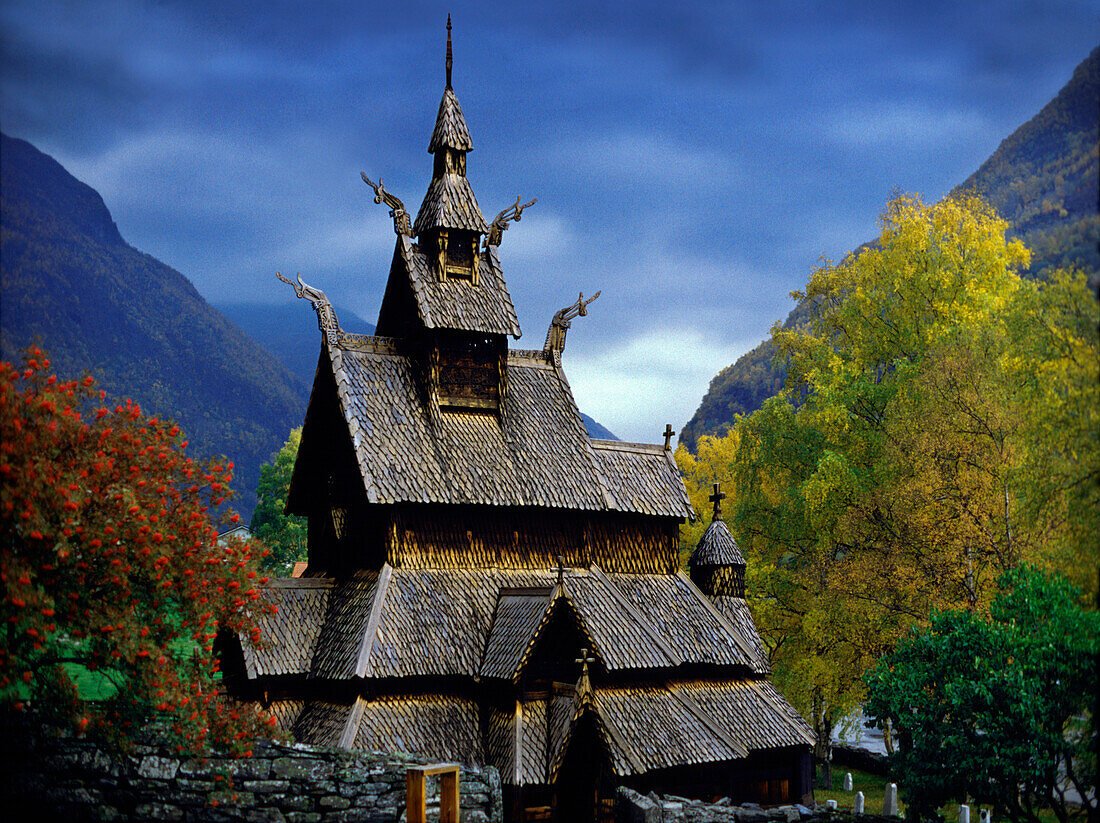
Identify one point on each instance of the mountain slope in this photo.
(288, 331)
(1045, 176)
(71, 283)
(1043, 179)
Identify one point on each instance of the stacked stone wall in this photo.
(47, 777)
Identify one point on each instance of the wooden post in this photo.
(415, 804)
(448, 796)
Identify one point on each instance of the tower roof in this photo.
(717, 547)
(450, 126)
(450, 204)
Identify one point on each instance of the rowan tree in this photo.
(113, 584)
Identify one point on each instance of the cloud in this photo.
(903, 125)
(657, 377)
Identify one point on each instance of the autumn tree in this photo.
(112, 582)
(937, 428)
(285, 535)
(996, 708)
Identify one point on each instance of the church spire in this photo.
(450, 60)
(449, 204)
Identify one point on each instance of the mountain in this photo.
(289, 331)
(595, 430)
(1043, 179)
(69, 282)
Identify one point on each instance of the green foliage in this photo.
(998, 708)
(283, 534)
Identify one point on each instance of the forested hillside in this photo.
(93, 302)
(289, 331)
(1043, 179)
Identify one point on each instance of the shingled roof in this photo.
(449, 203)
(536, 452)
(692, 722)
(450, 126)
(484, 622)
(717, 547)
(482, 306)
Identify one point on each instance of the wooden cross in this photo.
(668, 437)
(561, 568)
(717, 499)
(584, 659)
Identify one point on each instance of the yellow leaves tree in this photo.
(938, 427)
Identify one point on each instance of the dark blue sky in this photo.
(693, 163)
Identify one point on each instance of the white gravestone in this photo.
(964, 814)
(848, 782)
(890, 801)
(858, 809)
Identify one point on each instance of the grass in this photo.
(873, 787)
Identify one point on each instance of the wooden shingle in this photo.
(450, 126)
(435, 726)
(482, 306)
(289, 636)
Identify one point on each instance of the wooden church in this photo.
(487, 584)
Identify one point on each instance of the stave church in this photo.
(487, 584)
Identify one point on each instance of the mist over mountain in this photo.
(288, 331)
(1043, 179)
(71, 284)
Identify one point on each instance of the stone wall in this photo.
(634, 807)
(48, 777)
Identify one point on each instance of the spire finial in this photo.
(449, 58)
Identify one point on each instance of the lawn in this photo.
(873, 787)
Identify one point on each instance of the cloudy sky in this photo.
(692, 161)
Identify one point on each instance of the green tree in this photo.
(999, 709)
(283, 534)
(111, 573)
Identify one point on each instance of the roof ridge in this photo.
(366, 644)
(626, 446)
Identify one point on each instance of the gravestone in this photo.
(890, 801)
(830, 804)
(858, 808)
(848, 782)
(964, 814)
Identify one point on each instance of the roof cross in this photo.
(561, 569)
(668, 437)
(717, 499)
(584, 659)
